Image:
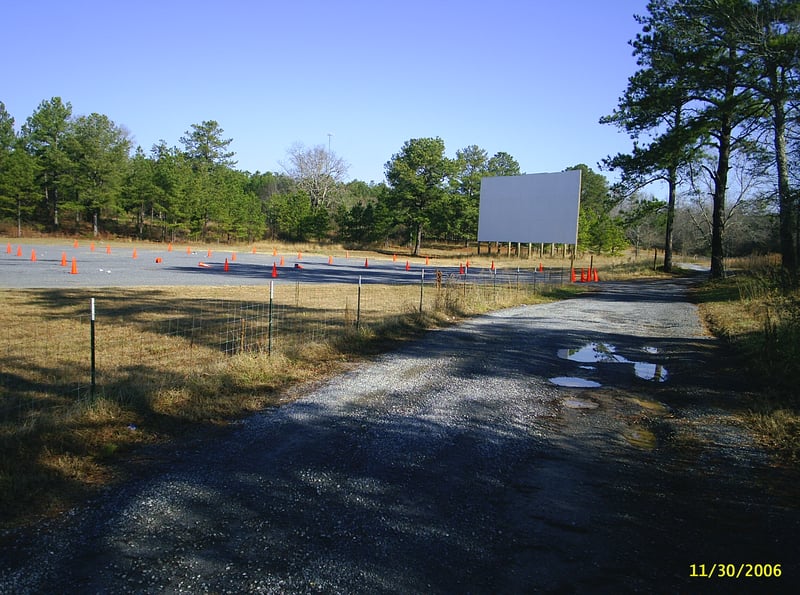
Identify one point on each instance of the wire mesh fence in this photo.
(64, 357)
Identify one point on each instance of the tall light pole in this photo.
(330, 134)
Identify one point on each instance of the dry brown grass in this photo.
(758, 314)
(155, 385)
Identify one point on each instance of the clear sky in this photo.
(528, 77)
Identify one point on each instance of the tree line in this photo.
(713, 113)
(66, 173)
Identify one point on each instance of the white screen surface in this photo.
(530, 208)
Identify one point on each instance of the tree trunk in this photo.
(95, 229)
(418, 239)
(786, 213)
(47, 199)
(672, 184)
(718, 213)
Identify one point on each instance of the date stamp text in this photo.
(741, 570)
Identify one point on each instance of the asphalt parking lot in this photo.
(119, 267)
(47, 266)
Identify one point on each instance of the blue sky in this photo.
(529, 77)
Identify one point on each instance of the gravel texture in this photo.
(455, 465)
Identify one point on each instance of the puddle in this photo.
(573, 403)
(606, 353)
(592, 353)
(574, 382)
(654, 372)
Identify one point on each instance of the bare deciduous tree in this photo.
(745, 214)
(316, 170)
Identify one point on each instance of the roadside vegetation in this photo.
(756, 311)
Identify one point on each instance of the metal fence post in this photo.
(421, 288)
(91, 346)
(269, 317)
(358, 306)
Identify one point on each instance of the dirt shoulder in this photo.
(464, 462)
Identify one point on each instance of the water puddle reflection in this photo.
(575, 403)
(654, 372)
(606, 353)
(574, 382)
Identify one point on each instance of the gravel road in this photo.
(457, 464)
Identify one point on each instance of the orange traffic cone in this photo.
(63, 259)
(169, 247)
(274, 251)
(225, 268)
(366, 263)
(8, 248)
(188, 249)
(596, 278)
(233, 256)
(159, 260)
(541, 268)
(19, 250)
(408, 266)
(281, 260)
(108, 249)
(492, 267)
(134, 253)
(460, 269)
(572, 275)
(427, 261)
(299, 256)
(75, 244)
(209, 253)
(394, 257)
(274, 271)
(33, 255)
(330, 260)
(91, 247)
(74, 270)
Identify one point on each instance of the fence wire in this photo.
(50, 356)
